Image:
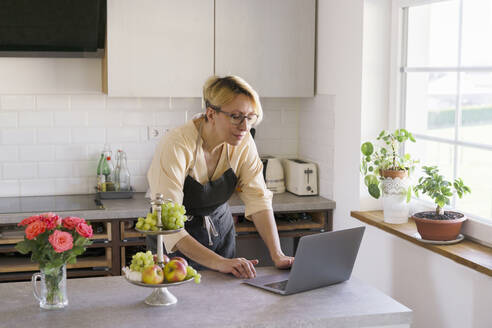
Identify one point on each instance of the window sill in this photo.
(468, 253)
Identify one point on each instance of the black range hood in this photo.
(52, 26)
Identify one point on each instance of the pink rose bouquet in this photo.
(52, 241)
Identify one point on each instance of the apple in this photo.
(177, 258)
(175, 271)
(152, 275)
(165, 259)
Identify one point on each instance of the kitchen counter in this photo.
(219, 301)
(139, 206)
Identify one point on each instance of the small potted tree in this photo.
(386, 172)
(439, 225)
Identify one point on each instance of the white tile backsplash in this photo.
(54, 170)
(126, 134)
(136, 119)
(88, 135)
(53, 103)
(104, 119)
(84, 169)
(9, 188)
(53, 136)
(72, 186)
(9, 154)
(70, 119)
(8, 119)
(51, 144)
(36, 153)
(154, 104)
(88, 103)
(174, 118)
(21, 136)
(316, 138)
(122, 104)
(71, 152)
(35, 119)
(38, 187)
(19, 170)
(17, 103)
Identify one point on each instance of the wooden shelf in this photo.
(20, 264)
(14, 239)
(317, 223)
(466, 252)
(129, 233)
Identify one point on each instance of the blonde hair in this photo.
(218, 91)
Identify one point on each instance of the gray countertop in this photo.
(219, 301)
(139, 206)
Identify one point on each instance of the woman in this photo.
(201, 164)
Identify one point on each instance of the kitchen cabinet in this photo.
(158, 48)
(96, 261)
(116, 240)
(164, 48)
(270, 43)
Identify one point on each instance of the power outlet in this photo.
(156, 132)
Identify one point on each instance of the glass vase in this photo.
(52, 291)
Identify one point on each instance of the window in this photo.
(445, 92)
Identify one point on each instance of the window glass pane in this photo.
(433, 34)
(476, 107)
(474, 167)
(431, 153)
(477, 31)
(431, 103)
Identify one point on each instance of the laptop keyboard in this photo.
(280, 285)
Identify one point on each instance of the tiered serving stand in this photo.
(160, 296)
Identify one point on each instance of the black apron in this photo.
(209, 216)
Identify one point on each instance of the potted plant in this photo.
(439, 224)
(386, 172)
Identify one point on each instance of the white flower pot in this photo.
(395, 206)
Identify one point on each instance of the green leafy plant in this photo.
(439, 189)
(385, 157)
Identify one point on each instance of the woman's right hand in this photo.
(239, 267)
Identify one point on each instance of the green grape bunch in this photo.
(141, 260)
(173, 216)
(149, 223)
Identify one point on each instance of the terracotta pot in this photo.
(394, 174)
(441, 230)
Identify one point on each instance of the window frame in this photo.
(475, 228)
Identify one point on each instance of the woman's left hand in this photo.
(283, 262)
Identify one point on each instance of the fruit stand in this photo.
(148, 273)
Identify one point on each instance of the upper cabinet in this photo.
(270, 43)
(158, 48)
(165, 48)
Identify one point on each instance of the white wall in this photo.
(353, 61)
(339, 70)
(54, 121)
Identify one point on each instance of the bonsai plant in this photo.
(439, 224)
(386, 162)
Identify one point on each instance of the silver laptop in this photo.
(322, 259)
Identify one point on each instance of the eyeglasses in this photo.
(237, 119)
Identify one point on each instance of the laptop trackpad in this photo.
(269, 279)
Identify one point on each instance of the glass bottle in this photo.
(100, 177)
(107, 171)
(116, 175)
(124, 173)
